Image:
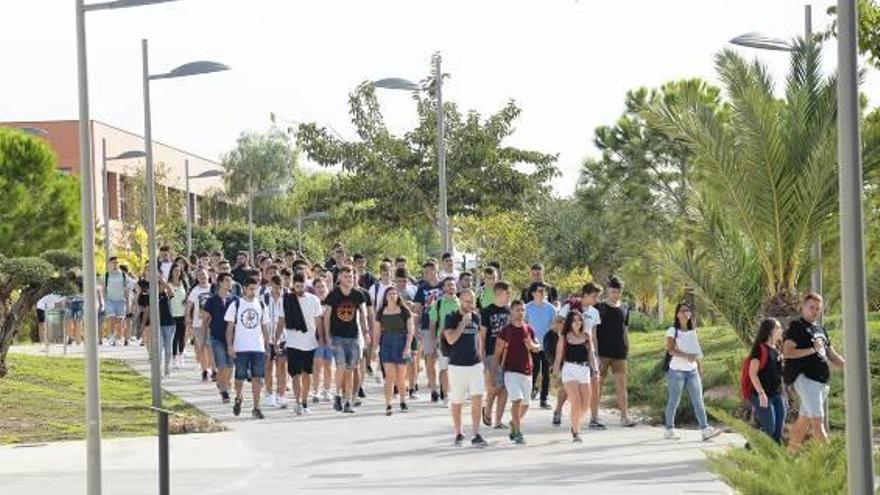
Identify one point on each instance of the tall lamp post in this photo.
(404, 84)
(128, 155)
(190, 216)
(87, 212)
(860, 465)
(190, 69)
(760, 42)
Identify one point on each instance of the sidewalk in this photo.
(329, 453)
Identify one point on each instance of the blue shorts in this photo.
(346, 352)
(391, 347)
(75, 308)
(221, 354)
(324, 352)
(250, 364)
(115, 309)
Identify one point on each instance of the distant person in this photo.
(807, 351)
(247, 331)
(539, 315)
(612, 343)
(461, 333)
(765, 376)
(493, 318)
(301, 324)
(574, 362)
(447, 267)
(514, 350)
(536, 276)
(213, 317)
(394, 332)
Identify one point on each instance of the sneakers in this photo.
(388, 411)
(670, 434)
(557, 418)
(413, 395)
(236, 408)
(478, 441)
(270, 400)
(213, 376)
(434, 396)
(459, 439)
(281, 403)
(500, 426)
(404, 407)
(357, 403)
(204, 375)
(325, 395)
(298, 409)
(545, 405)
(519, 439)
(596, 425)
(257, 414)
(627, 422)
(348, 409)
(361, 393)
(316, 399)
(337, 403)
(305, 410)
(576, 437)
(709, 433)
(225, 397)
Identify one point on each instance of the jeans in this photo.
(166, 341)
(771, 418)
(541, 365)
(179, 335)
(676, 381)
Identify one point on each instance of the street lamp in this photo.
(860, 465)
(128, 155)
(404, 84)
(761, 42)
(87, 212)
(189, 211)
(189, 69)
(300, 220)
(275, 191)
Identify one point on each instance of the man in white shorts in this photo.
(514, 347)
(462, 334)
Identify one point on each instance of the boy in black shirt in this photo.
(612, 341)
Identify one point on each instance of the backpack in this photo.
(668, 357)
(745, 381)
(238, 305)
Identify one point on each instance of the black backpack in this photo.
(668, 357)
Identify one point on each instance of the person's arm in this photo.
(531, 344)
(500, 345)
(483, 334)
(754, 365)
(188, 312)
(206, 318)
(279, 328)
(319, 330)
(326, 321)
(835, 358)
(230, 336)
(363, 314)
(377, 331)
(674, 351)
(407, 349)
(453, 334)
(560, 348)
(790, 350)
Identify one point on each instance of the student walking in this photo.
(461, 332)
(515, 346)
(394, 332)
(246, 339)
(493, 318)
(612, 343)
(301, 325)
(539, 313)
(765, 378)
(575, 362)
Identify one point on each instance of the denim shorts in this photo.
(346, 352)
(324, 352)
(221, 354)
(115, 309)
(75, 308)
(391, 348)
(812, 395)
(251, 364)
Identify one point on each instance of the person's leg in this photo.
(476, 408)
(777, 402)
(817, 430)
(514, 416)
(584, 395)
(695, 391)
(281, 378)
(500, 399)
(168, 344)
(674, 386)
(536, 370)
(799, 431)
(766, 416)
(489, 379)
(306, 378)
(545, 378)
(595, 389)
(400, 379)
(620, 372)
(574, 400)
(444, 382)
(390, 381)
(456, 418)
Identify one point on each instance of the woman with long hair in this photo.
(574, 363)
(685, 370)
(394, 332)
(765, 373)
(323, 354)
(178, 288)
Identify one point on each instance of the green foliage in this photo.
(869, 29)
(766, 185)
(394, 179)
(203, 239)
(376, 243)
(40, 207)
(170, 208)
(768, 469)
(233, 237)
(259, 161)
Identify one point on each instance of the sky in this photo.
(567, 63)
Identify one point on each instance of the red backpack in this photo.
(745, 381)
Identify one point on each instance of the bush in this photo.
(233, 237)
(640, 322)
(766, 468)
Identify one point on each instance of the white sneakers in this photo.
(670, 434)
(709, 433)
(298, 409)
(281, 402)
(270, 400)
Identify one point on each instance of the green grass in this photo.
(43, 399)
(722, 362)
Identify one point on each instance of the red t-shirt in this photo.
(518, 358)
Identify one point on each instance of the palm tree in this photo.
(765, 185)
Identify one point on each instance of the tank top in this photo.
(576, 353)
(393, 323)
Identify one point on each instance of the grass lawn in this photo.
(723, 360)
(43, 399)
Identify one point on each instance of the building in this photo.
(114, 178)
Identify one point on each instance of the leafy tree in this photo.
(869, 29)
(393, 180)
(766, 185)
(23, 281)
(40, 207)
(170, 208)
(233, 238)
(259, 161)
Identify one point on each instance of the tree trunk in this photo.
(10, 323)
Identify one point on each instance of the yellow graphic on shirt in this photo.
(345, 311)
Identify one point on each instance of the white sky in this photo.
(567, 63)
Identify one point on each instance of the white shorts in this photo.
(442, 361)
(465, 381)
(519, 387)
(573, 372)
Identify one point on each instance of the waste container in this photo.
(55, 325)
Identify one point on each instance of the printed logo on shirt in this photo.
(250, 318)
(345, 311)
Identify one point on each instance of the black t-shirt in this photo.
(464, 351)
(771, 375)
(426, 293)
(494, 318)
(611, 335)
(344, 312)
(239, 274)
(552, 293)
(144, 296)
(814, 366)
(165, 318)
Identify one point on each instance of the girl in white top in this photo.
(685, 369)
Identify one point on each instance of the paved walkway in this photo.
(367, 452)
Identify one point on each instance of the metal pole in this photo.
(816, 285)
(106, 203)
(153, 278)
(189, 213)
(441, 155)
(250, 223)
(860, 466)
(90, 310)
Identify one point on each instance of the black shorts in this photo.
(299, 362)
(41, 316)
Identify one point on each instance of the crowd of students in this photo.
(317, 330)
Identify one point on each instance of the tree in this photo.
(170, 208)
(40, 207)
(766, 185)
(259, 161)
(23, 281)
(393, 180)
(869, 29)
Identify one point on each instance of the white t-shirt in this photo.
(197, 296)
(377, 294)
(687, 342)
(276, 311)
(591, 318)
(311, 309)
(48, 302)
(165, 269)
(249, 327)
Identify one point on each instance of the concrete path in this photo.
(367, 452)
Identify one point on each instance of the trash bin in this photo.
(55, 325)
